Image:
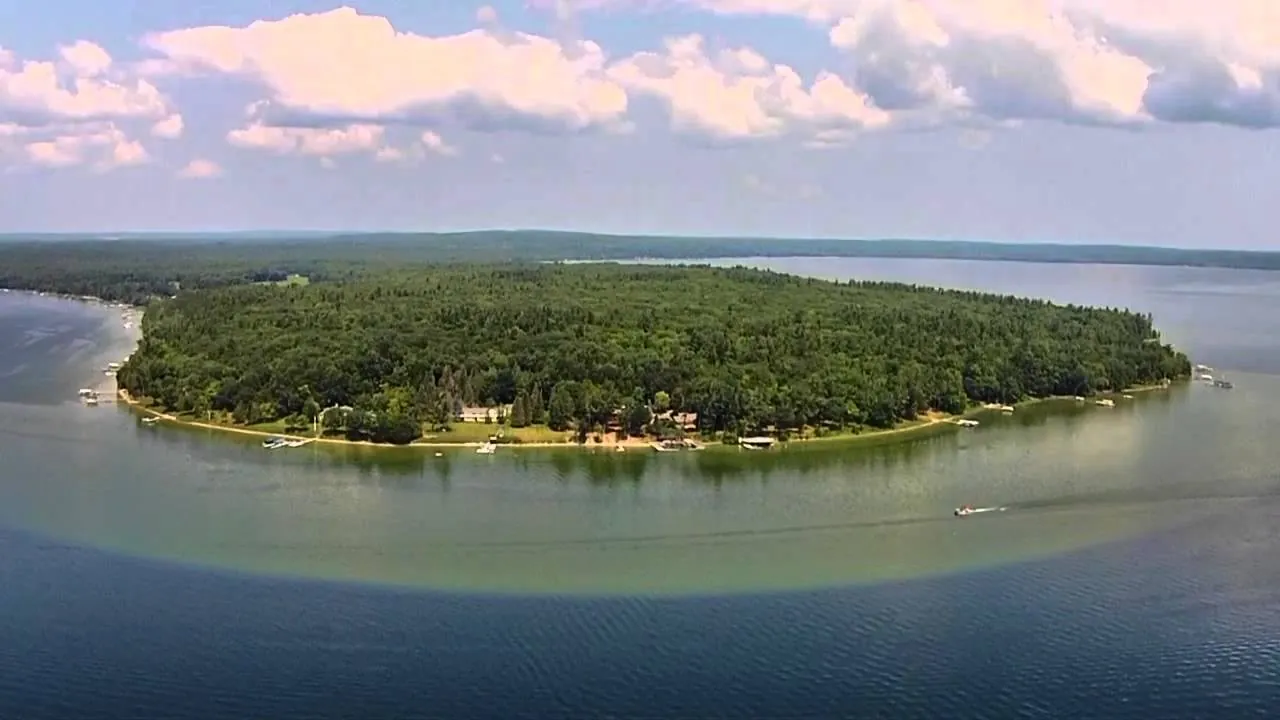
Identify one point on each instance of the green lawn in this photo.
(292, 280)
(479, 432)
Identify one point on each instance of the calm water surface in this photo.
(170, 572)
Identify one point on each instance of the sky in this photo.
(1081, 121)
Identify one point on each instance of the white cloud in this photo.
(102, 146)
(200, 169)
(738, 94)
(995, 58)
(85, 59)
(1090, 61)
(309, 141)
(169, 128)
(344, 67)
(436, 144)
(76, 110)
(79, 88)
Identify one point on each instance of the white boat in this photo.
(1105, 402)
(91, 400)
(274, 442)
(966, 510)
(966, 422)
(487, 449)
(150, 420)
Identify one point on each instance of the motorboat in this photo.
(966, 510)
(488, 448)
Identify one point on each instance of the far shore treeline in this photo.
(581, 347)
(135, 268)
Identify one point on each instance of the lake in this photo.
(175, 572)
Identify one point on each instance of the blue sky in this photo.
(1020, 120)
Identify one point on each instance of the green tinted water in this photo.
(568, 521)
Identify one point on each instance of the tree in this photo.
(637, 417)
(661, 401)
(519, 412)
(562, 409)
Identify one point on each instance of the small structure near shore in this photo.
(756, 443)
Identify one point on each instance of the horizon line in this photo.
(311, 232)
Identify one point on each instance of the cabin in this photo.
(478, 414)
(686, 421)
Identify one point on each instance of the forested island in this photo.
(135, 269)
(389, 355)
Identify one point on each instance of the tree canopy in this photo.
(576, 345)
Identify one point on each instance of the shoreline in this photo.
(902, 433)
(637, 444)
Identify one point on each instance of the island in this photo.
(531, 353)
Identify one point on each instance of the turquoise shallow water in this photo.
(163, 570)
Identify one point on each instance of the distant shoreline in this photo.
(293, 252)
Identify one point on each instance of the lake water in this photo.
(170, 572)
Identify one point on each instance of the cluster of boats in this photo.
(1205, 373)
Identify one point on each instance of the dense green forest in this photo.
(136, 269)
(576, 346)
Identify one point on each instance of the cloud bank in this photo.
(343, 82)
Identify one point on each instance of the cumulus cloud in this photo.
(79, 87)
(436, 144)
(309, 141)
(199, 169)
(102, 146)
(341, 67)
(169, 128)
(1090, 61)
(737, 94)
(76, 110)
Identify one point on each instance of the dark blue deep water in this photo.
(1176, 625)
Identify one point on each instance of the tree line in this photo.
(400, 352)
(136, 270)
